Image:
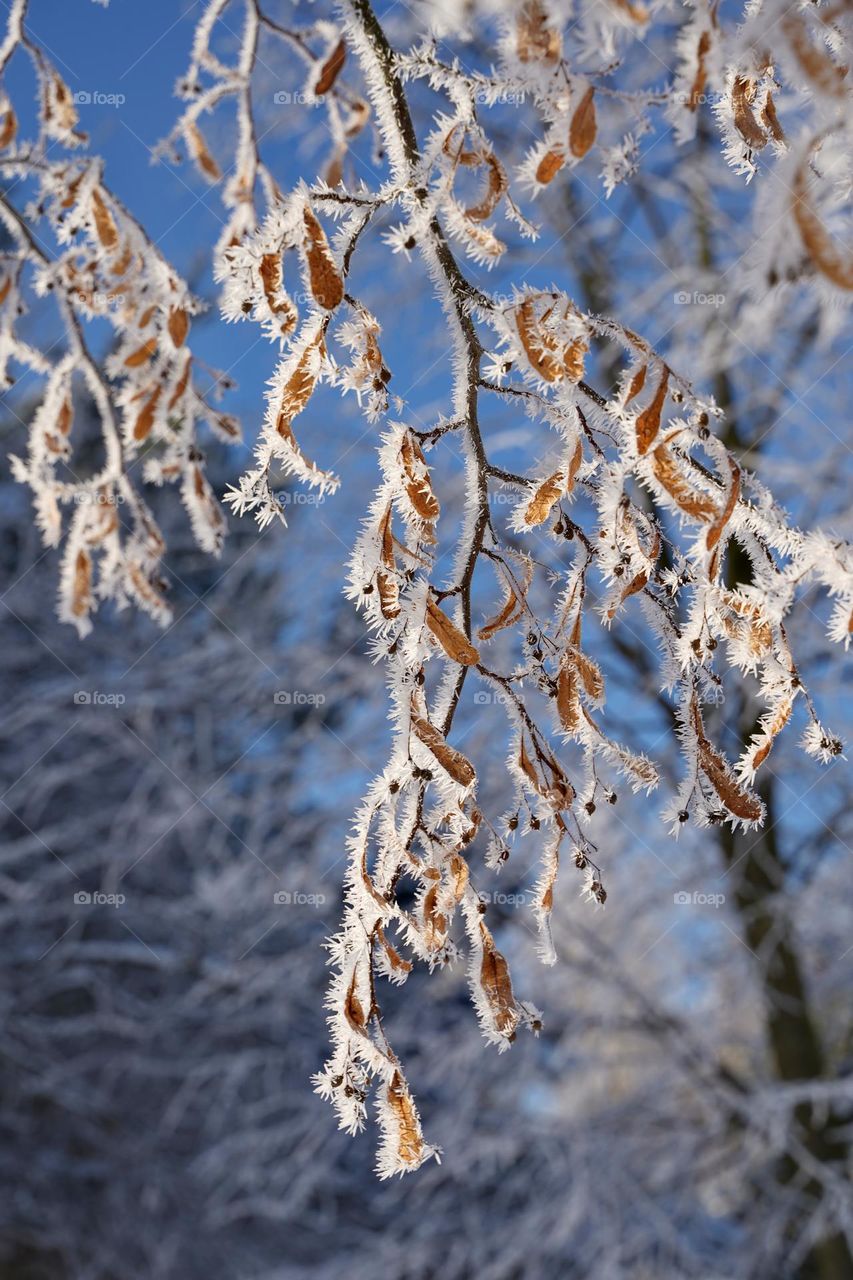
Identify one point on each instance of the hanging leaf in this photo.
(327, 285)
(582, 129)
(452, 761)
(453, 641)
(331, 69)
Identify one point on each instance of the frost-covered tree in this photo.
(588, 499)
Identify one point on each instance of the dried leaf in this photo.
(145, 420)
(701, 76)
(736, 798)
(452, 761)
(582, 129)
(496, 186)
(535, 40)
(418, 485)
(410, 1143)
(389, 593)
(178, 325)
(327, 285)
(453, 641)
(143, 353)
(671, 478)
(8, 128)
(200, 152)
(331, 69)
(549, 166)
(81, 588)
(539, 507)
(497, 987)
(743, 92)
(648, 422)
(818, 243)
(353, 1010)
(104, 223)
(716, 530)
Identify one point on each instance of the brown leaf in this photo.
(671, 478)
(637, 383)
(716, 530)
(509, 613)
(410, 1143)
(178, 325)
(817, 241)
(568, 701)
(277, 300)
(737, 799)
(770, 118)
(104, 224)
(535, 40)
(353, 1010)
(582, 129)
(143, 353)
(331, 69)
(200, 152)
(389, 594)
(743, 92)
(145, 420)
(539, 507)
(327, 285)
(8, 128)
(549, 166)
(701, 76)
(648, 422)
(453, 641)
(497, 986)
(181, 384)
(496, 186)
(81, 589)
(535, 345)
(452, 761)
(418, 485)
